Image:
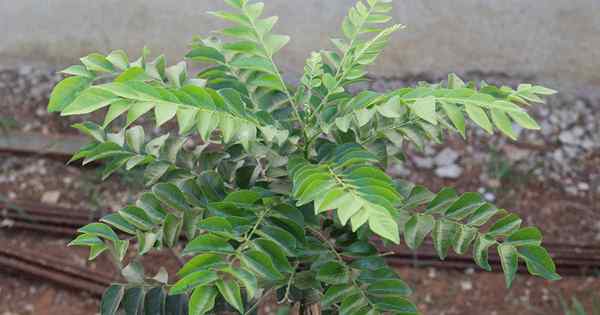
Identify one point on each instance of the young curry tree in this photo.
(286, 196)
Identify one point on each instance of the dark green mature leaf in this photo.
(417, 228)
(464, 206)
(336, 293)
(275, 252)
(525, 236)
(99, 229)
(260, 264)
(246, 279)
(505, 225)
(151, 206)
(217, 225)
(202, 300)
(154, 302)
(444, 232)
(389, 287)
(86, 240)
(176, 305)
(333, 272)
(207, 243)
(230, 290)
(195, 279)
(538, 261)
(111, 299)
(285, 240)
(171, 229)
(119, 222)
(137, 217)
(133, 301)
(509, 259)
(480, 251)
(201, 262)
(396, 304)
(171, 196)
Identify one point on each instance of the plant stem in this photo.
(340, 259)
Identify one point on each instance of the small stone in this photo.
(466, 285)
(40, 112)
(449, 171)
(446, 157)
(423, 162)
(399, 170)
(51, 196)
(588, 144)
(571, 190)
(583, 186)
(572, 136)
(67, 180)
(493, 183)
(489, 196)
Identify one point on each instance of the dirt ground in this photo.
(550, 179)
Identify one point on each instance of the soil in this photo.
(527, 177)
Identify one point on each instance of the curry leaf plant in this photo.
(284, 194)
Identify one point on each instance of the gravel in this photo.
(449, 171)
(446, 157)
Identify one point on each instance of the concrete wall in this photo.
(555, 41)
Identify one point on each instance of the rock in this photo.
(51, 196)
(446, 157)
(431, 273)
(572, 136)
(423, 162)
(515, 153)
(571, 190)
(399, 170)
(489, 196)
(588, 144)
(449, 171)
(583, 186)
(466, 285)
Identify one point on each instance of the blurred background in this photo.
(551, 178)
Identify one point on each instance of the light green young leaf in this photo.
(119, 59)
(274, 43)
(479, 116)
(88, 101)
(97, 62)
(425, 108)
(456, 117)
(66, 91)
